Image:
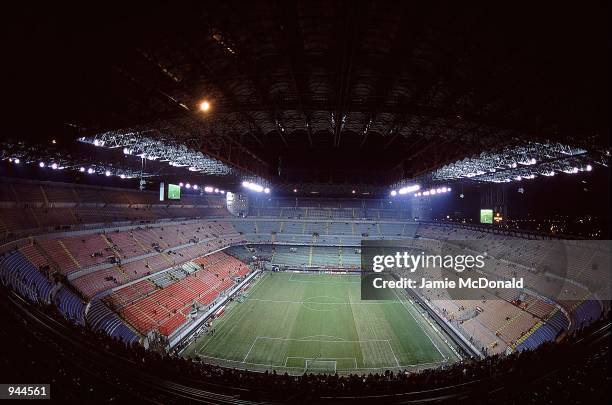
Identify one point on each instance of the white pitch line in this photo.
(423, 329)
(392, 352)
(249, 352)
(321, 341)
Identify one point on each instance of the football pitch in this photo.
(300, 322)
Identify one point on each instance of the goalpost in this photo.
(320, 365)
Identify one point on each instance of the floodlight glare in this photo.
(267, 190)
(107, 173)
(393, 193)
(41, 164)
(205, 105)
(90, 170)
(54, 166)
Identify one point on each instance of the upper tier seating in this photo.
(33, 207)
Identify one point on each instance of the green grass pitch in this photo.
(299, 322)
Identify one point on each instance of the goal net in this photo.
(320, 366)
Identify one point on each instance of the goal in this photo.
(320, 366)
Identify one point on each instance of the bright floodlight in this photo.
(181, 184)
(245, 184)
(589, 168)
(393, 193)
(54, 166)
(208, 189)
(204, 105)
(90, 170)
(107, 173)
(217, 190)
(267, 190)
(16, 160)
(82, 169)
(41, 164)
(187, 185)
(222, 191)
(122, 176)
(195, 186)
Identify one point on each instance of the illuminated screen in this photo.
(486, 216)
(174, 192)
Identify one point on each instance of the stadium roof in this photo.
(320, 92)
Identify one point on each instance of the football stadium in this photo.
(306, 202)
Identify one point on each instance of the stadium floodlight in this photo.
(181, 184)
(204, 105)
(54, 166)
(208, 189)
(82, 169)
(267, 190)
(107, 173)
(409, 189)
(253, 186)
(217, 190)
(589, 168)
(393, 193)
(90, 170)
(187, 185)
(16, 160)
(195, 186)
(41, 164)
